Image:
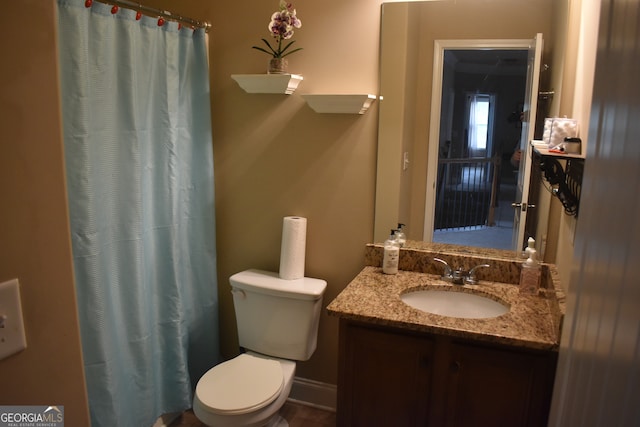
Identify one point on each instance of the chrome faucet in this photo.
(471, 275)
(460, 276)
(448, 273)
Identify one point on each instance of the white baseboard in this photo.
(314, 393)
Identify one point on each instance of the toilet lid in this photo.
(244, 384)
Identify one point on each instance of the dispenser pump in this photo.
(400, 236)
(531, 273)
(391, 254)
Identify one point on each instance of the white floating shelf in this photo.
(340, 104)
(268, 83)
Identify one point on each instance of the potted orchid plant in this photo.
(281, 27)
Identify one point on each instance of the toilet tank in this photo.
(277, 317)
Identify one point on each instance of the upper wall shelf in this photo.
(341, 104)
(288, 83)
(543, 151)
(268, 83)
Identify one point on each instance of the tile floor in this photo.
(296, 414)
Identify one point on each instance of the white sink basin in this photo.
(454, 304)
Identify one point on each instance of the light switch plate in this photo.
(12, 337)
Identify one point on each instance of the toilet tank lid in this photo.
(268, 282)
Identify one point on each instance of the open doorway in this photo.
(483, 93)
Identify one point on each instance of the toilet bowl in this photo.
(248, 390)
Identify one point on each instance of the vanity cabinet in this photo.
(384, 378)
(397, 377)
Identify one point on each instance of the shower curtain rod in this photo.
(160, 13)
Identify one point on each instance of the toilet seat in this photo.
(241, 385)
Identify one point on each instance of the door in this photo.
(520, 384)
(438, 136)
(384, 377)
(522, 203)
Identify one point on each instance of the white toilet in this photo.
(277, 324)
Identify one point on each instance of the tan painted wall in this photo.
(34, 229)
(274, 156)
(577, 88)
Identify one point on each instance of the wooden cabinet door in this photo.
(498, 387)
(384, 378)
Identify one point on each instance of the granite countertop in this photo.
(533, 321)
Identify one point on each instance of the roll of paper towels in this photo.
(292, 251)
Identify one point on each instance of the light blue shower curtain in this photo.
(139, 162)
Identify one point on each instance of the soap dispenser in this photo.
(531, 245)
(391, 254)
(530, 274)
(400, 236)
